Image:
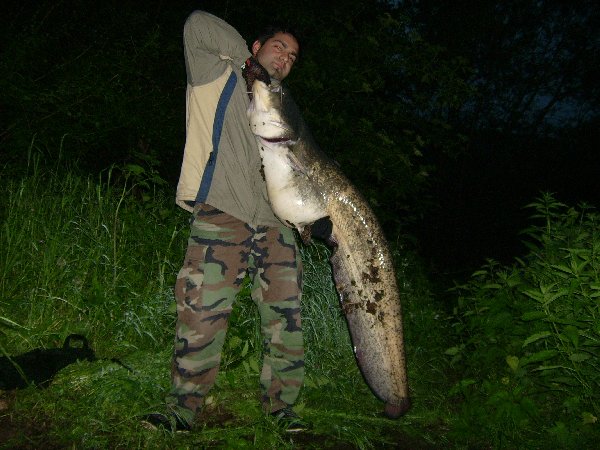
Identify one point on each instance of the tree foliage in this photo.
(375, 94)
(101, 82)
(109, 78)
(529, 126)
(536, 61)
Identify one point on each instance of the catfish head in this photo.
(282, 143)
(267, 116)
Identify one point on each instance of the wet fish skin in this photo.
(304, 185)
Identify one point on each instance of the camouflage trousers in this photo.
(221, 251)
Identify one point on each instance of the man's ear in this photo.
(255, 47)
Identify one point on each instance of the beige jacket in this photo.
(221, 164)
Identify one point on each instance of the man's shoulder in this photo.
(203, 16)
(207, 36)
(202, 20)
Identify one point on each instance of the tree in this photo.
(535, 61)
(375, 94)
(111, 77)
(528, 125)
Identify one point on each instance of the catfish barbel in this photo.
(304, 185)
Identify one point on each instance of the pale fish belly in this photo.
(293, 202)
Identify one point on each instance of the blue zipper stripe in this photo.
(209, 170)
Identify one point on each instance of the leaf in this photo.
(562, 268)
(460, 387)
(245, 349)
(588, 418)
(555, 319)
(299, 407)
(478, 273)
(543, 355)
(571, 334)
(513, 362)
(134, 169)
(567, 381)
(559, 294)
(308, 382)
(11, 323)
(531, 293)
(542, 368)
(452, 351)
(536, 337)
(254, 364)
(533, 315)
(234, 342)
(579, 357)
(323, 381)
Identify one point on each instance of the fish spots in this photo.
(372, 276)
(350, 307)
(371, 307)
(262, 172)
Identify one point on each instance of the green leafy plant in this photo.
(529, 337)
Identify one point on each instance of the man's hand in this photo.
(321, 228)
(252, 70)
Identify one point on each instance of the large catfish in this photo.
(303, 186)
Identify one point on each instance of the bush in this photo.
(529, 335)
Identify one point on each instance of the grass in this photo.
(96, 256)
(99, 256)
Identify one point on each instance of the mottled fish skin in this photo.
(304, 185)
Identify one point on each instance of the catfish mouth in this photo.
(284, 138)
(276, 140)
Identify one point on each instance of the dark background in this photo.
(449, 116)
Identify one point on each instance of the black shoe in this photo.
(170, 422)
(289, 420)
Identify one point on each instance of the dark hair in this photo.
(272, 30)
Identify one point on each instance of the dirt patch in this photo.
(217, 417)
(21, 434)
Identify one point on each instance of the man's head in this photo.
(276, 50)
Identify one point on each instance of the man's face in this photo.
(277, 55)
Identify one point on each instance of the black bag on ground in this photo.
(40, 365)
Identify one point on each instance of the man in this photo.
(233, 229)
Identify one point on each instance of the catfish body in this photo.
(304, 185)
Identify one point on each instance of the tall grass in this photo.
(83, 255)
(98, 256)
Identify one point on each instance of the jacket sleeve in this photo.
(211, 44)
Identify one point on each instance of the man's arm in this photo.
(210, 45)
